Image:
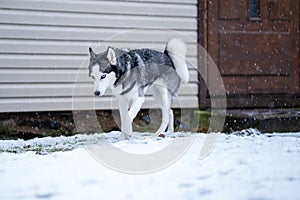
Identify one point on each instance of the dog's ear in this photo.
(92, 53)
(111, 56)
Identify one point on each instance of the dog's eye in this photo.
(103, 76)
(93, 77)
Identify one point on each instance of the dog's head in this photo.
(104, 70)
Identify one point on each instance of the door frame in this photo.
(246, 100)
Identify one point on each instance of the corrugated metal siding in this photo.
(44, 47)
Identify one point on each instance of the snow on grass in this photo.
(63, 143)
(251, 166)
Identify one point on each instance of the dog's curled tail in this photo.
(176, 50)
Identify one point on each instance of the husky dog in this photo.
(130, 72)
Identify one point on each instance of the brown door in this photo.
(255, 45)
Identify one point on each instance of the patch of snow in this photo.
(239, 167)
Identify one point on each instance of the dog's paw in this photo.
(124, 136)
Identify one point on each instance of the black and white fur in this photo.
(130, 72)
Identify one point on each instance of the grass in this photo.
(20, 146)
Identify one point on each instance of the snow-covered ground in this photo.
(239, 167)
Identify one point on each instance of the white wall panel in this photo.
(44, 48)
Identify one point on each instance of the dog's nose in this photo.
(97, 93)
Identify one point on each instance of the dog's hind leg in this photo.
(164, 121)
(162, 96)
(171, 122)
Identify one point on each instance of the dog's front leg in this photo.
(131, 114)
(126, 128)
(136, 107)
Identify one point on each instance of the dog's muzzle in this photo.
(97, 93)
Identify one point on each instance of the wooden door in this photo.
(255, 45)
